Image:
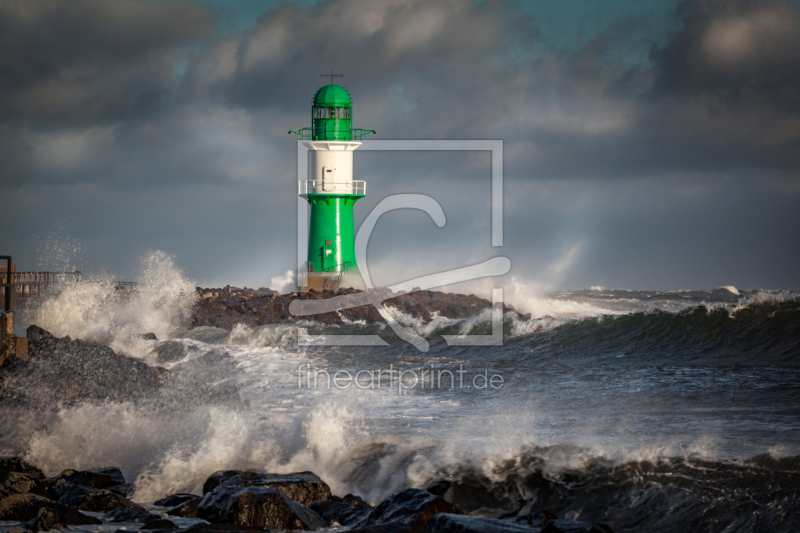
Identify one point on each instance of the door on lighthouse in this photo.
(328, 177)
(328, 256)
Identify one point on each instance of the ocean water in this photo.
(648, 411)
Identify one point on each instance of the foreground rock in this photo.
(568, 526)
(453, 523)
(265, 508)
(243, 501)
(409, 508)
(302, 487)
(25, 507)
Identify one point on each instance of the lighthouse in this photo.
(330, 189)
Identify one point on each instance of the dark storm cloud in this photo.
(723, 93)
(143, 110)
(92, 88)
(87, 61)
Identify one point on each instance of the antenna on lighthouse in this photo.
(332, 75)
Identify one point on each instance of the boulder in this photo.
(15, 464)
(267, 508)
(186, 509)
(106, 500)
(169, 352)
(535, 518)
(47, 519)
(569, 526)
(355, 501)
(204, 527)
(126, 489)
(73, 495)
(455, 523)
(302, 487)
(123, 514)
(385, 528)
(409, 507)
(23, 507)
(99, 478)
(174, 500)
(20, 483)
(159, 523)
(336, 512)
(215, 479)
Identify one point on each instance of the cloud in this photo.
(149, 103)
(87, 60)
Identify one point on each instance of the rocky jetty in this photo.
(237, 501)
(228, 306)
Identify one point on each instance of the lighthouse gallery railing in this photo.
(333, 187)
(355, 134)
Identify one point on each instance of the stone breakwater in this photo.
(235, 500)
(226, 307)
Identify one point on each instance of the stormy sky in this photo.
(648, 144)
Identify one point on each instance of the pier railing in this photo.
(23, 285)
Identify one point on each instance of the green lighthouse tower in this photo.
(330, 189)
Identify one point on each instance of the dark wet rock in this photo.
(123, 514)
(385, 528)
(67, 370)
(20, 483)
(24, 507)
(187, 509)
(356, 501)
(106, 500)
(454, 523)
(169, 352)
(73, 495)
(160, 523)
(70, 371)
(99, 478)
(267, 508)
(203, 527)
(149, 336)
(176, 499)
(534, 519)
(47, 519)
(302, 487)
(409, 507)
(215, 479)
(15, 464)
(568, 526)
(126, 489)
(336, 512)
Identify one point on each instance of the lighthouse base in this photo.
(320, 281)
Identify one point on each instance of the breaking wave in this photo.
(94, 310)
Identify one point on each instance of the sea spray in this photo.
(94, 310)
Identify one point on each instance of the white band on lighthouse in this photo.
(331, 167)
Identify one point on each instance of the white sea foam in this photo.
(93, 310)
(285, 283)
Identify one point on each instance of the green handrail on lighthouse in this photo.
(330, 189)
